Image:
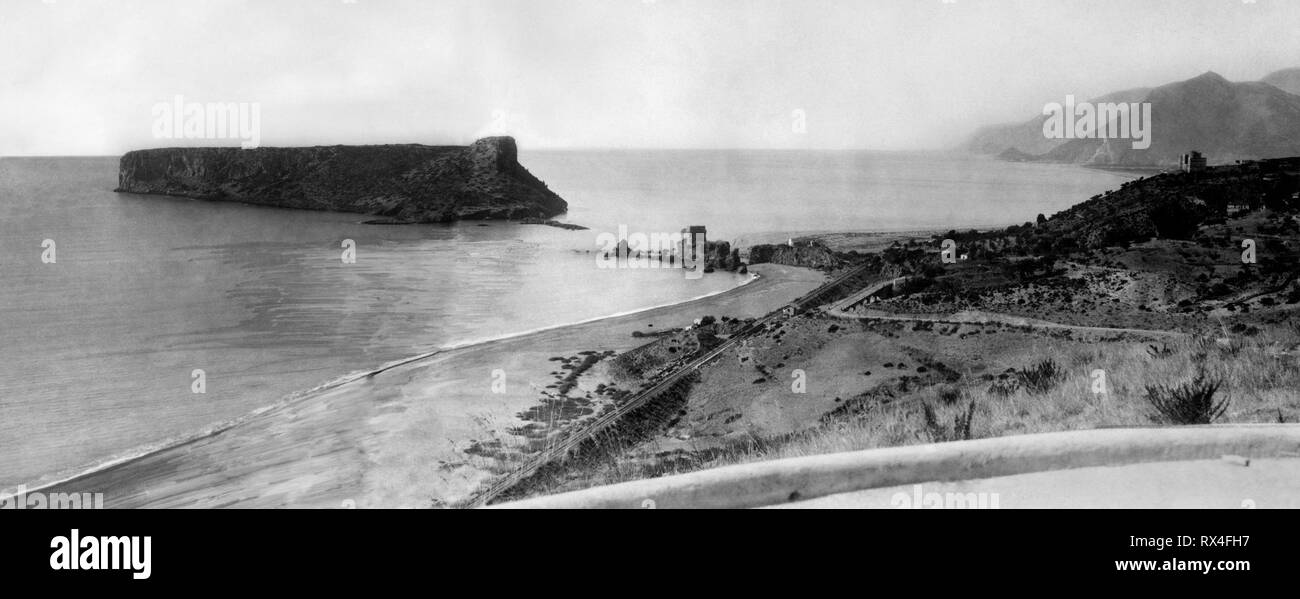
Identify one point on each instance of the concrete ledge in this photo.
(1233, 482)
(779, 482)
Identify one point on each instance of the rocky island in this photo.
(403, 183)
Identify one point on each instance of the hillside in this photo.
(1287, 80)
(1173, 205)
(1026, 137)
(1224, 120)
(1131, 308)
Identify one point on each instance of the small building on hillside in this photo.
(1192, 162)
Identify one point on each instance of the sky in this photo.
(85, 77)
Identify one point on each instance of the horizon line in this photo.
(543, 149)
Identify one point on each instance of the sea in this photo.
(129, 321)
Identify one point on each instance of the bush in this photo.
(1041, 377)
(949, 394)
(1188, 403)
(1161, 351)
(941, 433)
(1232, 347)
(1004, 387)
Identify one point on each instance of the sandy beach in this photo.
(397, 439)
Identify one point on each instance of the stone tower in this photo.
(692, 247)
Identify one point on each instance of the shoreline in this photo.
(151, 477)
(216, 428)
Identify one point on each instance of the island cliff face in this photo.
(404, 183)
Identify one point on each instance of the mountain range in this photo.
(1224, 120)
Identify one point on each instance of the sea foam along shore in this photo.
(391, 436)
(218, 427)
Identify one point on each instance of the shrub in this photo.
(1041, 377)
(1233, 346)
(1293, 297)
(1163, 351)
(1188, 403)
(949, 394)
(935, 432)
(1004, 387)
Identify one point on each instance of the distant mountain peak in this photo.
(1287, 80)
(1225, 120)
(1291, 72)
(1208, 78)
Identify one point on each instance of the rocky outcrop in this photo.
(720, 255)
(809, 254)
(403, 183)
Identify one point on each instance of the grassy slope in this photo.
(874, 384)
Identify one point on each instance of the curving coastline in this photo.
(214, 459)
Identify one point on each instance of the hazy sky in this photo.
(81, 77)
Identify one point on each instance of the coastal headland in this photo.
(400, 183)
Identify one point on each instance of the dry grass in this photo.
(1257, 375)
(1193, 402)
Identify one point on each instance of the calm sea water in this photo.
(97, 349)
(757, 196)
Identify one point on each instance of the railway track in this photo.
(572, 439)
